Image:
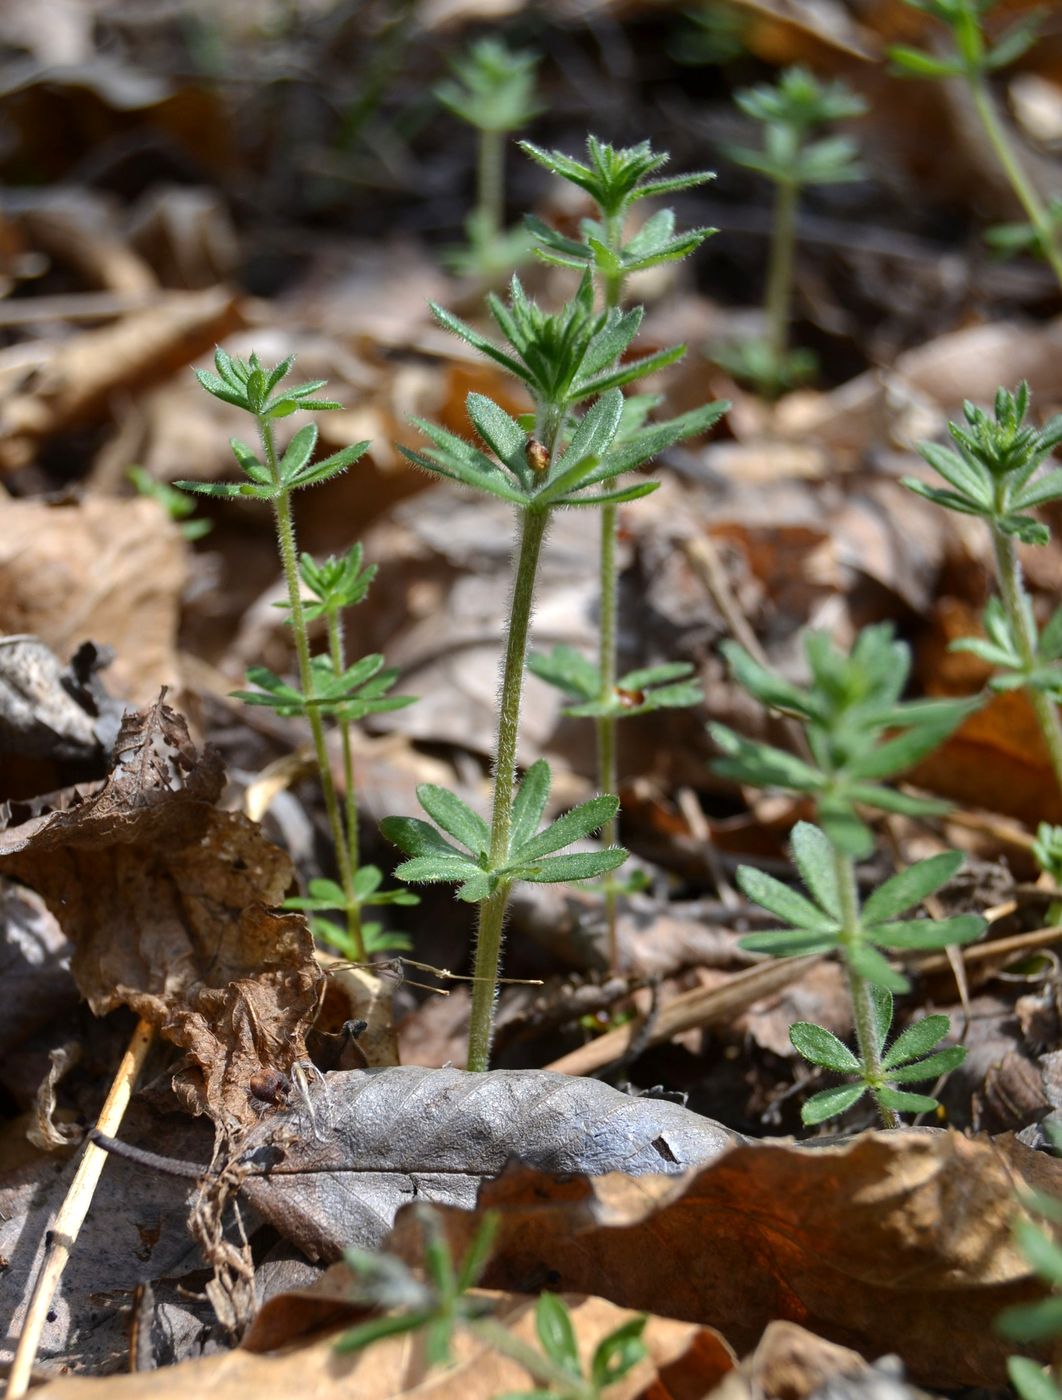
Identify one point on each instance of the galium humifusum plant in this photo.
(974, 59)
(327, 688)
(438, 1303)
(994, 472)
(792, 157)
(557, 457)
(616, 179)
(1038, 1322)
(858, 733)
(493, 90)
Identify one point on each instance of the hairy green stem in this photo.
(780, 270)
(1023, 629)
(350, 796)
(289, 559)
(492, 910)
(1020, 183)
(607, 778)
(858, 986)
(490, 191)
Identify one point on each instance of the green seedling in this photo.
(830, 919)
(493, 90)
(974, 59)
(327, 686)
(857, 733)
(993, 474)
(553, 459)
(1047, 851)
(174, 502)
(616, 178)
(1040, 1321)
(438, 1306)
(790, 112)
(614, 1356)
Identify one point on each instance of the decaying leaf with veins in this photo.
(167, 899)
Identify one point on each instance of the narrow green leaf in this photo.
(821, 1047)
(455, 817)
(225, 490)
(831, 1103)
(943, 1062)
(781, 900)
(298, 453)
(502, 434)
(917, 1040)
(331, 466)
(927, 934)
(578, 865)
(788, 942)
(436, 869)
(816, 860)
(568, 670)
(911, 886)
(553, 1324)
(1041, 1252)
(761, 765)
(901, 1101)
(417, 838)
(529, 804)
(1029, 1379)
(1032, 1322)
(869, 963)
(579, 822)
(916, 64)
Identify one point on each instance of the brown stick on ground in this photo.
(75, 1207)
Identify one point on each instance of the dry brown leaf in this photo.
(102, 569)
(165, 898)
(893, 1242)
(683, 1360)
(74, 381)
(789, 1362)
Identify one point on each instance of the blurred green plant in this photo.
(327, 686)
(174, 502)
(974, 59)
(857, 733)
(1040, 1321)
(493, 90)
(993, 475)
(789, 111)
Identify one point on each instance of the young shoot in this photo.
(993, 474)
(830, 919)
(1039, 1322)
(552, 459)
(327, 686)
(857, 733)
(493, 90)
(974, 59)
(790, 112)
(616, 178)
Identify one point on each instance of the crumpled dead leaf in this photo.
(165, 898)
(892, 1242)
(374, 1140)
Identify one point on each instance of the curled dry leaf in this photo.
(100, 568)
(165, 898)
(75, 380)
(894, 1242)
(683, 1359)
(375, 1140)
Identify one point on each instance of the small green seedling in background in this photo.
(790, 111)
(857, 733)
(994, 475)
(1047, 851)
(493, 90)
(174, 502)
(327, 686)
(975, 59)
(715, 32)
(558, 459)
(438, 1306)
(614, 1356)
(1040, 1321)
(831, 920)
(616, 179)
